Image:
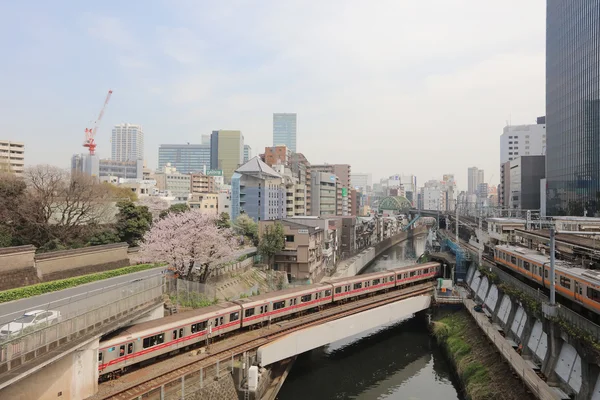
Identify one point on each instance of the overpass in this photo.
(70, 342)
(191, 373)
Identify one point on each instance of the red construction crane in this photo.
(90, 133)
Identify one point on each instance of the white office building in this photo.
(523, 140)
(127, 143)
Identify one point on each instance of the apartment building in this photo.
(12, 156)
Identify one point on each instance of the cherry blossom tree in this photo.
(155, 205)
(190, 242)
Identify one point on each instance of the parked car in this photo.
(30, 319)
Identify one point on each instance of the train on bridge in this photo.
(146, 341)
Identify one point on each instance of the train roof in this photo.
(588, 275)
(357, 278)
(282, 294)
(183, 318)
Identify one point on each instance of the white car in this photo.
(29, 319)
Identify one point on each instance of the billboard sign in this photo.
(214, 172)
(344, 192)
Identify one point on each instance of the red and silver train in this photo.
(151, 339)
(581, 286)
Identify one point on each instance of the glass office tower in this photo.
(572, 107)
(284, 130)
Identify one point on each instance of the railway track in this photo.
(138, 389)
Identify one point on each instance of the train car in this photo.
(582, 286)
(154, 338)
(416, 273)
(346, 288)
(275, 305)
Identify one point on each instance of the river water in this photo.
(399, 361)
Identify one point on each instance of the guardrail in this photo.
(23, 345)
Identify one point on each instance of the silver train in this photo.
(148, 340)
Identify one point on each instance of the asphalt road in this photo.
(73, 299)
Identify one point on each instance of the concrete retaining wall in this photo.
(565, 362)
(20, 266)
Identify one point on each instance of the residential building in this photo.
(12, 156)
(302, 257)
(224, 203)
(141, 187)
(284, 130)
(127, 143)
(247, 153)
(355, 202)
(201, 183)
(525, 175)
(324, 194)
(187, 158)
(572, 107)
(295, 198)
(343, 183)
(362, 181)
(258, 191)
(302, 170)
(227, 152)
(475, 177)
(523, 140)
(122, 169)
(278, 155)
(206, 203)
(173, 182)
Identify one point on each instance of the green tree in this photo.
(174, 209)
(223, 221)
(271, 241)
(107, 236)
(132, 222)
(244, 225)
(120, 193)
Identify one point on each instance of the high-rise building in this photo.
(524, 187)
(362, 181)
(226, 152)
(522, 140)
(247, 153)
(120, 169)
(187, 158)
(475, 177)
(284, 130)
(85, 164)
(324, 194)
(572, 107)
(12, 156)
(127, 143)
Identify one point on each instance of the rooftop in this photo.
(257, 166)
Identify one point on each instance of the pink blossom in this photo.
(155, 205)
(190, 242)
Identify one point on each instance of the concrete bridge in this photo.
(69, 345)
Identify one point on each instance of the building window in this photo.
(289, 238)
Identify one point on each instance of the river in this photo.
(399, 361)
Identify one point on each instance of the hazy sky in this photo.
(399, 86)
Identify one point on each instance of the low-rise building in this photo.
(171, 181)
(122, 169)
(12, 156)
(224, 203)
(302, 257)
(201, 183)
(206, 203)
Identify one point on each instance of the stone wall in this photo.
(20, 266)
(218, 389)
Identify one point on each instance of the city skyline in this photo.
(358, 94)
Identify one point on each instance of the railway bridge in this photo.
(233, 358)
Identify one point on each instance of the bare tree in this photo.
(155, 205)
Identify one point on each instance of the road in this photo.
(76, 298)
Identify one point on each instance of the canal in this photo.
(398, 361)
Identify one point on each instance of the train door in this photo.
(578, 292)
(126, 350)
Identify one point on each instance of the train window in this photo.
(546, 273)
(513, 260)
(357, 285)
(100, 356)
(367, 283)
(122, 350)
(391, 278)
(376, 281)
(175, 334)
(317, 295)
(293, 302)
(263, 309)
(198, 327)
(526, 265)
(221, 320)
(338, 290)
(180, 332)
(412, 273)
(305, 298)
(278, 305)
(249, 312)
(328, 292)
(347, 288)
(234, 316)
(154, 340)
(593, 294)
(130, 348)
(565, 282)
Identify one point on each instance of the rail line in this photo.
(137, 389)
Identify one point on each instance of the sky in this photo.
(392, 86)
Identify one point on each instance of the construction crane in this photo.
(90, 133)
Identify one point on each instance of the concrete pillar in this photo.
(511, 315)
(554, 346)
(589, 369)
(527, 333)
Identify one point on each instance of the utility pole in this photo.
(552, 283)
